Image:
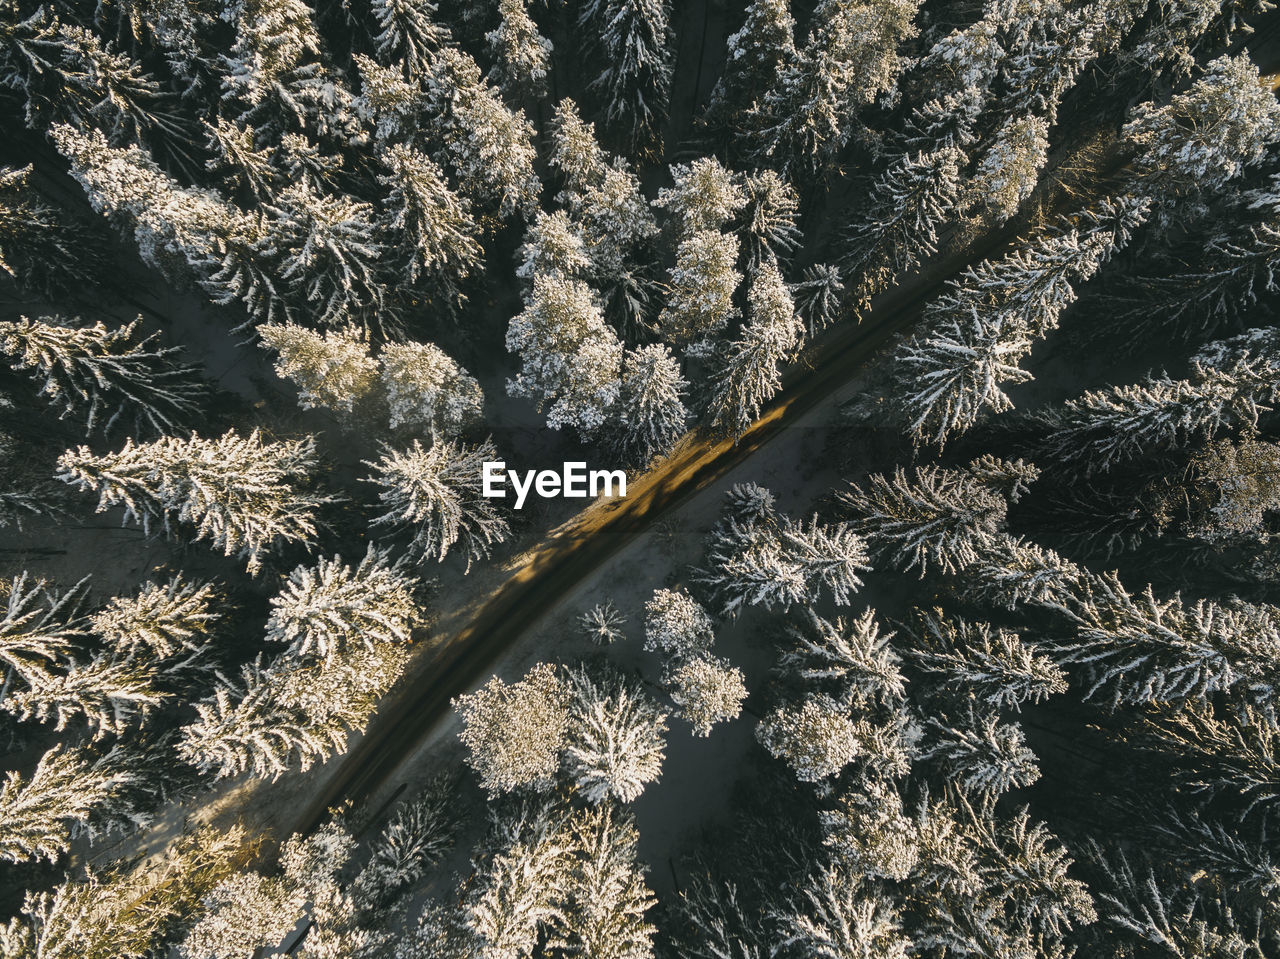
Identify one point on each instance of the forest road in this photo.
(578, 548)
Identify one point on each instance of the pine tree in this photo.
(676, 626)
(703, 196)
(164, 621)
(852, 661)
(634, 38)
(39, 628)
(39, 815)
(1231, 381)
(850, 58)
(123, 913)
(980, 753)
(329, 256)
(237, 159)
(332, 369)
(419, 834)
(703, 280)
(428, 391)
(515, 733)
(438, 236)
(605, 896)
(237, 492)
(407, 34)
(650, 412)
(1208, 134)
(706, 690)
(615, 739)
(990, 665)
(754, 56)
(521, 55)
(752, 372)
(871, 834)
(42, 248)
(602, 624)
(103, 375)
(817, 739)
(489, 148)
(976, 334)
(818, 296)
(837, 916)
(323, 610)
(1009, 170)
(911, 203)
(110, 692)
(570, 359)
(438, 494)
(1139, 649)
(771, 217)
(942, 517)
(575, 152)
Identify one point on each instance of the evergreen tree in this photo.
(428, 391)
(109, 691)
(676, 626)
(1231, 382)
(602, 624)
(634, 38)
(42, 248)
(850, 58)
(752, 372)
(770, 225)
(911, 202)
(604, 893)
(239, 493)
(852, 661)
(103, 375)
(754, 56)
(323, 610)
(706, 690)
(991, 666)
(164, 621)
(39, 628)
(703, 280)
(615, 739)
(818, 297)
(976, 334)
(39, 815)
(703, 196)
(521, 55)
(332, 369)
(438, 494)
(980, 753)
(407, 34)
(1009, 170)
(515, 733)
(1207, 135)
(570, 359)
(437, 235)
(943, 517)
(488, 147)
(817, 739)
(836, 915)
(650, 412)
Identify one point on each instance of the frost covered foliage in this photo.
(817, 740)
(615, 742)
(428, 392)
(570, 359)
(436, 495)
(42, 248)
(102, 376)
(602, 624)
(521, 55)
(707, 690)
(676, 625)
(651, 411)
(633, 39)
(1009, 170)
(165, 620)
(323, 610)
(515, 733)
(938, 517)
(242, 494)
(703, 280)
(756, 556)
(332, 369)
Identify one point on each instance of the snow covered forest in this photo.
(939, 340)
